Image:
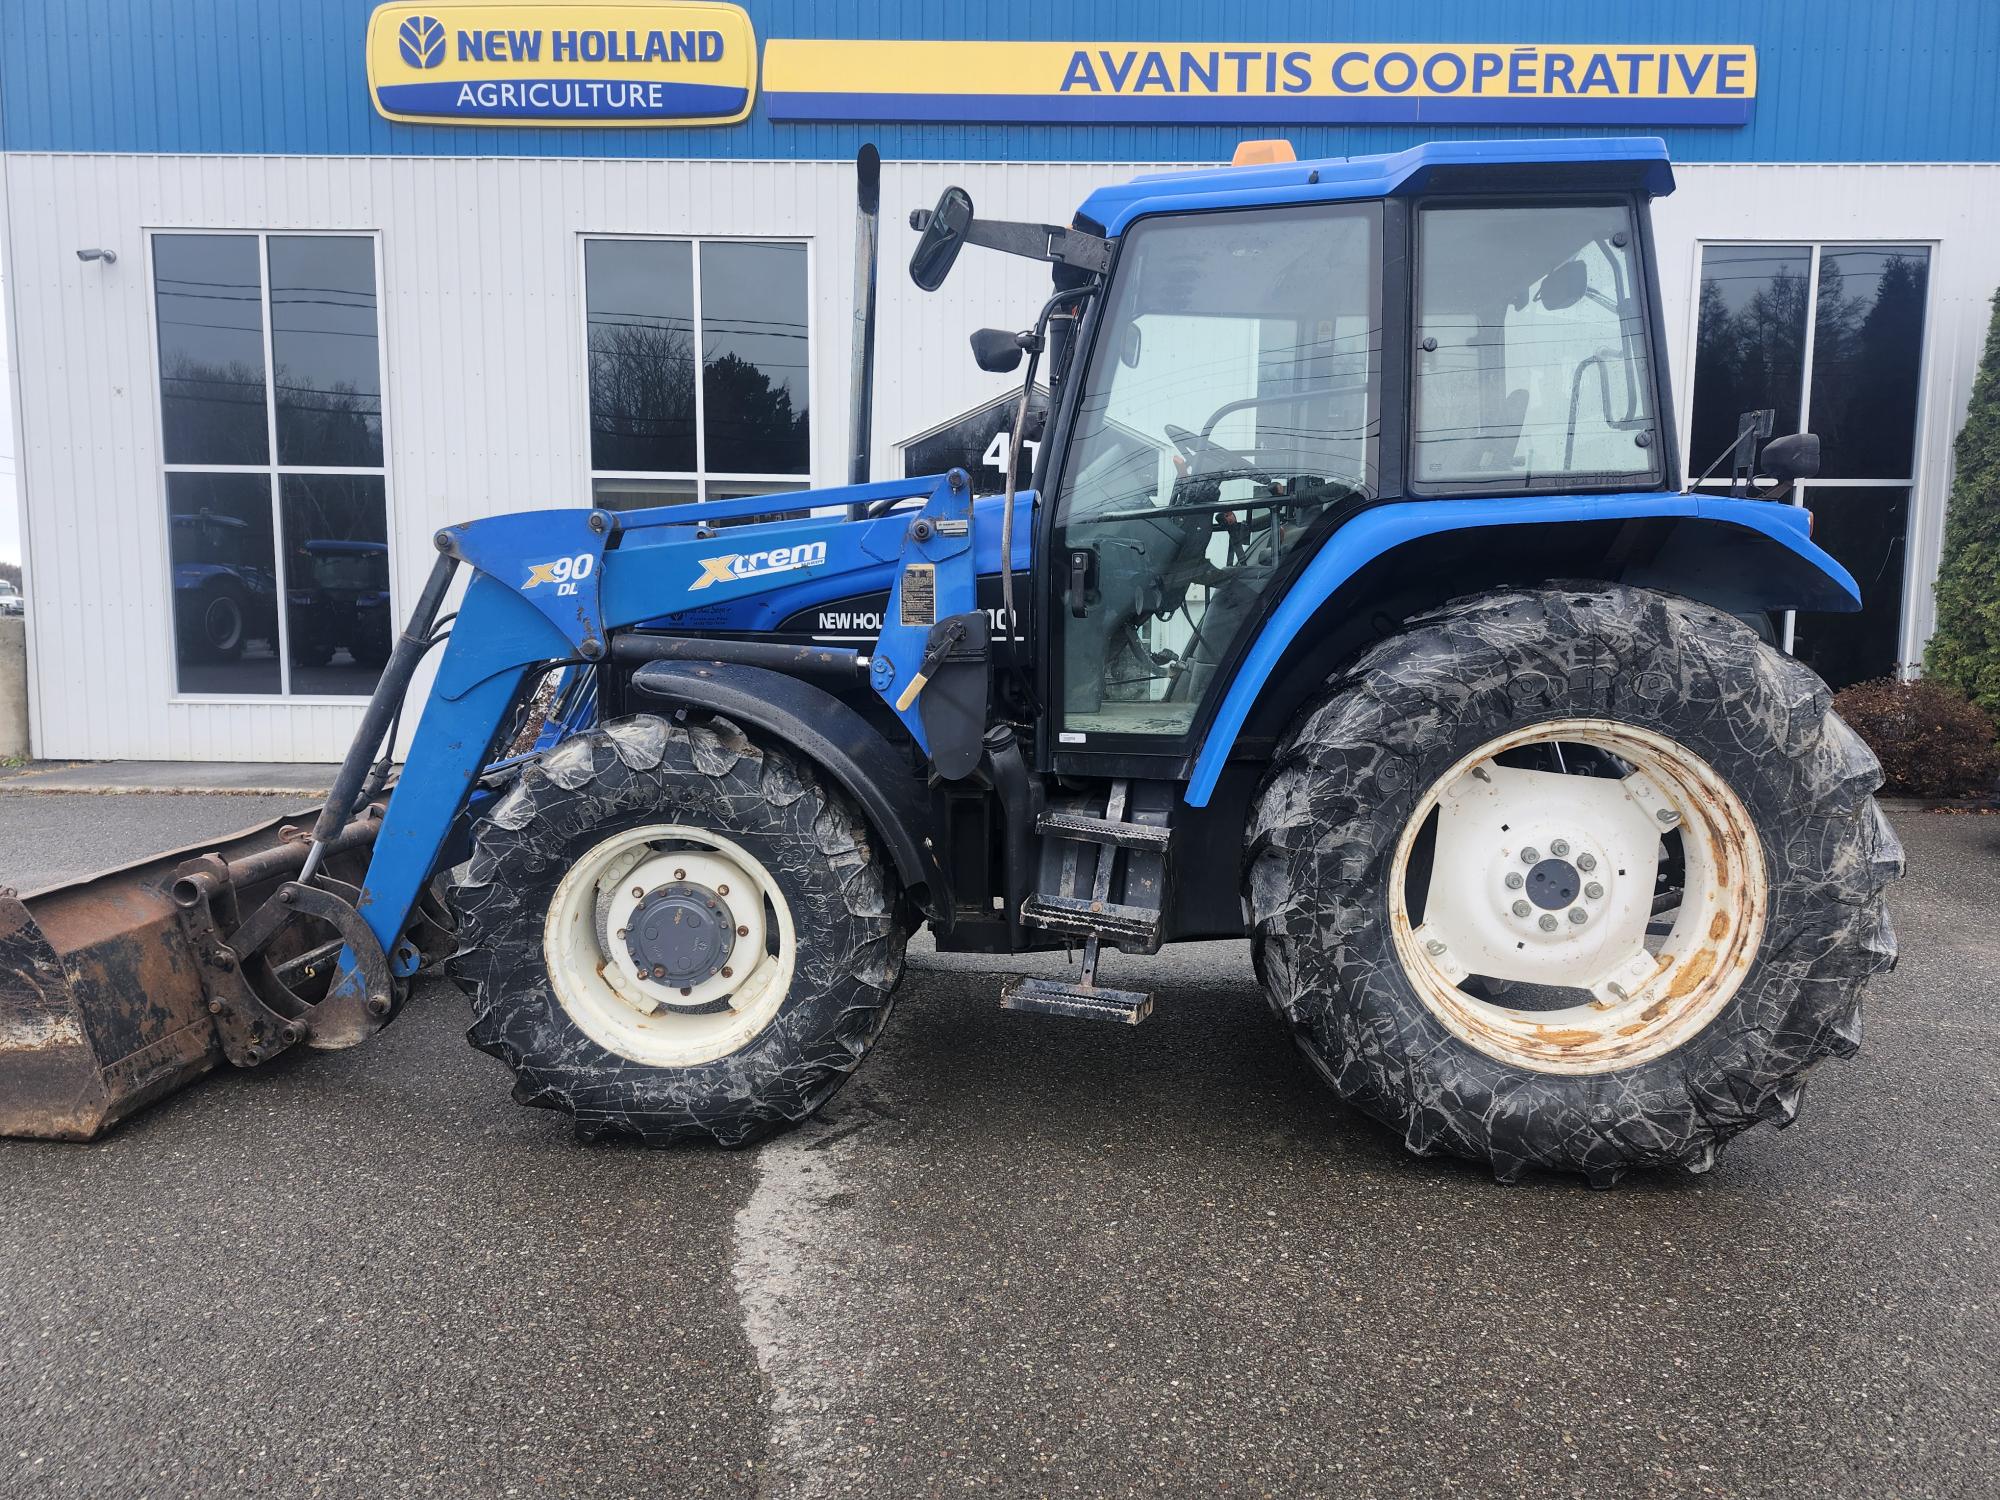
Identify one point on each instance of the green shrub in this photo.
(1932, 740)
(1965, 651)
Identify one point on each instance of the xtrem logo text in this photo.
(737, 565)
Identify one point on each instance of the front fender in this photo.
(1811, 579)
(835, 738)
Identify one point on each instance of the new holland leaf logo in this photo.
(421, 39)
(737, 565)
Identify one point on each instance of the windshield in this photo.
(1231, 400)
(1531, 363)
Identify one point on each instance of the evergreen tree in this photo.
(1965, 651)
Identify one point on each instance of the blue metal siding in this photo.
(1840, 80)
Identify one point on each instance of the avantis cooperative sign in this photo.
(562, 62)
(1239, 83)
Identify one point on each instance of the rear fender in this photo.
(1740, 555)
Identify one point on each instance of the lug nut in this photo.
(638, 893)
(1586, 862)
(1593, 891)
(686, 991)
(743, 932)
(1548, 923)
(1521, 908)
(1578, 916)
(1559, 848)
(659, 971)
(722, 890)
(1515, 880)
(727, 972)
(1531, 856)
(680, 874)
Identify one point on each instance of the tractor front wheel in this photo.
(670, 931)
(1577, 878)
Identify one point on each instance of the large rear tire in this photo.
(670, 931)
(1580, 878)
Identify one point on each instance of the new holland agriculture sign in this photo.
(1236, 83)
(445, 62)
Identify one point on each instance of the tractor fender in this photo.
(832, 735)
(1737, 554)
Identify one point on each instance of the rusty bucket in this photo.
(109, 994)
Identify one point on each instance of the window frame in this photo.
(272, 469)
(1907, 650)
(700, 477)
(1661, 475)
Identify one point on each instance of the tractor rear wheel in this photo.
(671, 931)
(1579, 878)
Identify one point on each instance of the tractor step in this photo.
(1089, 830)
(1102, 919)
(1083, 1002)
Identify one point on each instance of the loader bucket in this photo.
(106, 1004)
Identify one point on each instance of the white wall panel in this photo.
(483, 353)
(1955, 206)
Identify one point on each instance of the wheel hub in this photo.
(1554, 884)
(681, 934)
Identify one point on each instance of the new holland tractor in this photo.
(1357, 606)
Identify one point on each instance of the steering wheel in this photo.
(1206, 458)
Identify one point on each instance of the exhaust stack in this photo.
(861, 377)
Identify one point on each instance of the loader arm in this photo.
(550, 587)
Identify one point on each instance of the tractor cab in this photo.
(1249, 358)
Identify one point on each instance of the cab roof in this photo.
(1619, 164)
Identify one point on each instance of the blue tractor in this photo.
(1357, 606)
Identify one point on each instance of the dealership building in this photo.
(292, 286)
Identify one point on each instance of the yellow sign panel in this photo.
(1234, 83)
(562, 62)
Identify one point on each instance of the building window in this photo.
(271, 432)
(1831, 337)
(700, 355)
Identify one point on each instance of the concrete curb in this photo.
(168, 778)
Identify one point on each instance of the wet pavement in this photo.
(1016, 1255)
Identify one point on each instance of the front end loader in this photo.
(1356, 606)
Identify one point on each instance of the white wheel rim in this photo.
(597, 977)
(1600, 841)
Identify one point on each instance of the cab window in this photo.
(1531, 369)
(1232, 399)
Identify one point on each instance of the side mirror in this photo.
(1564, 286)
(944, 230)
(1793, 456)
(996, 350)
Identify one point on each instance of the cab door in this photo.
(1231, 399)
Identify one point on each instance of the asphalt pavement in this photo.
(1016, 1255)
